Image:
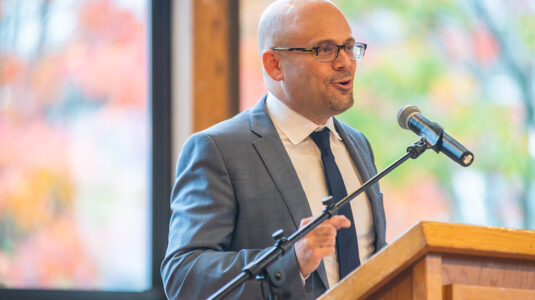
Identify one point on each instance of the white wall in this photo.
(182, 73)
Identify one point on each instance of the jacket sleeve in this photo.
(199, 260)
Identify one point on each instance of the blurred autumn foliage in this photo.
(467, 65)
(73, 82)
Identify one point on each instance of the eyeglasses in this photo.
(329, 52)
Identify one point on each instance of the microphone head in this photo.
(405, 114)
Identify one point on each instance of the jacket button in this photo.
(278, 276)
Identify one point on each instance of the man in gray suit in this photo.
(240, 180)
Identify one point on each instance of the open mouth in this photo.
(345, 84)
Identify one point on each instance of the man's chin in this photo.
(338, 106)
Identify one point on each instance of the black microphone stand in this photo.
(256, 269)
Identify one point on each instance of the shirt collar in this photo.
(295, 126)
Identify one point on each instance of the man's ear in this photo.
(272, 64)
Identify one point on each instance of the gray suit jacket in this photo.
(235, 185)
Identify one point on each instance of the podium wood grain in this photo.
(432, 255)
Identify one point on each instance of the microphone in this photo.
(410, 118)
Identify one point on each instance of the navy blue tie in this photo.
(346, 238)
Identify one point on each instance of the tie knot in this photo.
(321, 138)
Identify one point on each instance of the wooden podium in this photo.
(447, 261)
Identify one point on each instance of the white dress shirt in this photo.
(294, 130)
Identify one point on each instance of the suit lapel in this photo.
(357, 151)
(354, 150)
(365, 169)
(274, 156)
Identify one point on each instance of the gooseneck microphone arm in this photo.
(256, 269)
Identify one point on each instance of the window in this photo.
(84, 158)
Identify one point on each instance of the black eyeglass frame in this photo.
(315, 49)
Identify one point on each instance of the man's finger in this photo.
(305, 221)
(339, 221)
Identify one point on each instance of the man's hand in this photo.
(318, 243)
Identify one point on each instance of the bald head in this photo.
(284, 20)
(315, 89)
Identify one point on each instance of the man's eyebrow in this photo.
(329, 41)
(323, 42)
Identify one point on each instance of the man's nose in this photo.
(343, 61)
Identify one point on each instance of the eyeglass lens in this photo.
(330, 52)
